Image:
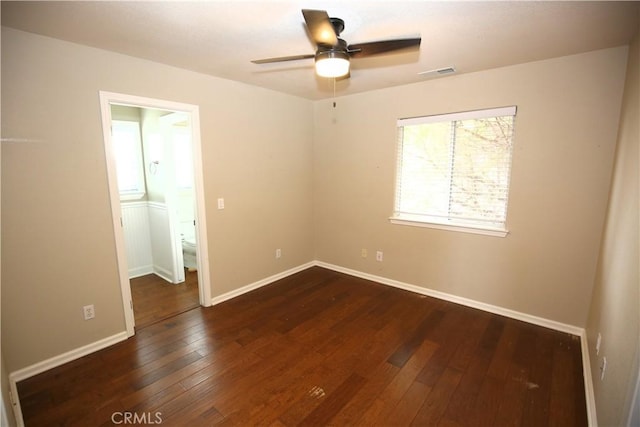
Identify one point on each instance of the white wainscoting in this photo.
(161, 241)
(148, 240)
(137, 238)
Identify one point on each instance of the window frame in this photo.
(441, 223)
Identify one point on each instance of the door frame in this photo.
(204, 287)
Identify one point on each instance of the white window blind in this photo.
(454, 169)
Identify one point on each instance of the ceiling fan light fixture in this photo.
(332, 63)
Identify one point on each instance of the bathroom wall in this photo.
(164, 226)
(125, 113)
(153, 151)
(181, 148)
(135, 216)
(147, 221)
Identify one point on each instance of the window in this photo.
(127, 147)
(453, 171)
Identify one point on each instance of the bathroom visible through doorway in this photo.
(157, 198)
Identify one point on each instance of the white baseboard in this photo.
(45, 365)
(69, 356)
(260, 283)
(140, 271)
(163, 273)
(588, 380)
(551, 324)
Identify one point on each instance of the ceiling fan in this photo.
(333, 53)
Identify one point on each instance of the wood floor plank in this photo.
(562, 401)
(436, 403)
(321, 383)
(461, 408)
(406, 350)
(330, 406)
(538, 381)
(378, 380)
(492, 397)
(321, 348)
(509, 412)
(408, 407)
(396, 389)
(155, 299)
(476, 340)
(475, 354)
(167, 369)
(450, 336)
(257, 383)
(274, 397)
(501, 360)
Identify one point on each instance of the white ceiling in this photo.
(220, 38)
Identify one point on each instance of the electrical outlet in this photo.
(603, 368)
(89, 312)
(379, 256)
(220, 203)
(363, 252)
(278, 253)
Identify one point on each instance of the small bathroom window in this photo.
(127, 145)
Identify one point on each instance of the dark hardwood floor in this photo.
(155, 299)
(321, 348)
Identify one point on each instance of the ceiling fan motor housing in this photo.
(332, 61)
(338, 51)
(340, 47)
(331, 53)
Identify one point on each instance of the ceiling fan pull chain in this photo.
(334, 92)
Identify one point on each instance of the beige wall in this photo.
(57, 237)
(615, 308)
(565, 136)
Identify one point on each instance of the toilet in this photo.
(189, 253)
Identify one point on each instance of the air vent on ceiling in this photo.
(438, 72)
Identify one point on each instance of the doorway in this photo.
(162, 195)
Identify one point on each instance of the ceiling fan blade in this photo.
(320, 27)
(283, 58)
(375, 48)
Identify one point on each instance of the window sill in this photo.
(486, 231)
(131, 196)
